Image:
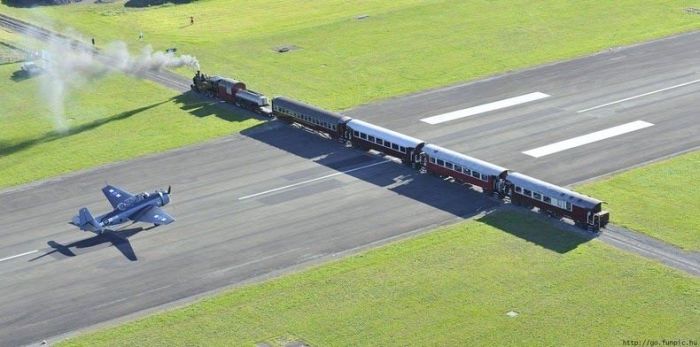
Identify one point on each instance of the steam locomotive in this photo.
(232, 91)
(520, 189)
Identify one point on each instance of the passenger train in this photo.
(520, 189)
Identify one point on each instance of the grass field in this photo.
(109, 120)
(403, 46)
(451, 287)
(660, 199)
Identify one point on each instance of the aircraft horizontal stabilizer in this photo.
(86, 221)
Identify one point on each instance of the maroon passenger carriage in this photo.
(309, 116)
(369, 136)
(554, 200)
(463, 168)
(226, 88)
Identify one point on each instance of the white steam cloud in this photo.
(69, 66)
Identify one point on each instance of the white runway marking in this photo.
(19, 255)
(640, 95)
(312, 180)
(589, 138)
(496, 105)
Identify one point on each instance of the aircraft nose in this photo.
(165, 199)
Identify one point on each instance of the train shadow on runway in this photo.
(119, 239)
(202, 106)
(434, 191)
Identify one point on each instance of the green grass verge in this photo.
(451, 287)
(403, 46)
(660, 199)
(109, 120)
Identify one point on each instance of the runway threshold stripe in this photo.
(312, 180)
(639, 96)
(492, 106)
(589, 138)
(19, 255)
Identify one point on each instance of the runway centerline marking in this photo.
(19, 255)
(312, 180)
(586, 139)
(639, 96)
(492, 106)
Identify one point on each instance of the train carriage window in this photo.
(559, 203)
(527, 192)
(484, 177)
(395, 146)
(518, 190)
(546, 199)
(441, 162)
(370, 138)
(363, 136)
(467, 171)
(379, 141)
(386, 144)
(476, 174)
(432, 160)
(402, 149)
(355, 133)
(458, 168)
(568, 206)
(537, 196)
(450, 165)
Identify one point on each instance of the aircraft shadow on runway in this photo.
(117, 238)
(428, 189)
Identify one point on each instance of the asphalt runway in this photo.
(228, 228)
(501, 136)
(275, 198)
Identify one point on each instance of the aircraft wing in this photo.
(154, 215)
(115, 195)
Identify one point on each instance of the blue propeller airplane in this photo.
(144, 207)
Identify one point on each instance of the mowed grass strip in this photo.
(108, 120)
(403, 46)
(659, 199)
(450, 287)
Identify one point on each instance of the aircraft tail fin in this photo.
(85, 221)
